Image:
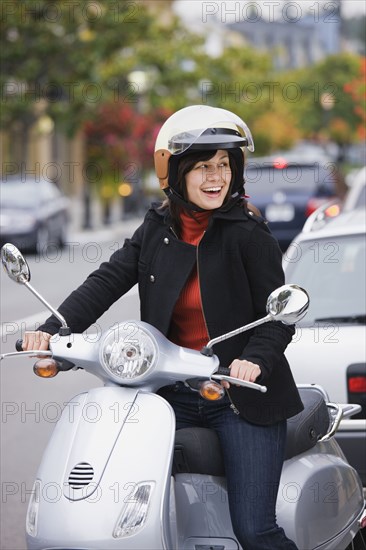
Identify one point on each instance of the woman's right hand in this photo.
(36, 340)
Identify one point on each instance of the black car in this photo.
(34, 213)
(288, 190)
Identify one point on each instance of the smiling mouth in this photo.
(212, 190)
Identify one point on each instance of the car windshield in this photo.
(18, 194)
(264, 180)
(332, 271)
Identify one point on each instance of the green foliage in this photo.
(73, 61)
(52, 52)
(322, 94)
(171, 59)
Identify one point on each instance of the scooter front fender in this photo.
(114, 441)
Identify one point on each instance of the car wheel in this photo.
(42, 240)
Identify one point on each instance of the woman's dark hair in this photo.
(185, 165)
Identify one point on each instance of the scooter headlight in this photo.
(128, 352)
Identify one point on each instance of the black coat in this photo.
(239, 265)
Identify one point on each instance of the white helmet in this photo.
(200, 128)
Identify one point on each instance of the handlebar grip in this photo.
(19, 345)
(223, 370)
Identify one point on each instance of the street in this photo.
(30, 405)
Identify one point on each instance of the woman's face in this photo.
(209, 180)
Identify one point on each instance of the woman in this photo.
(205, 265)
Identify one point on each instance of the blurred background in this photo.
(85, 87)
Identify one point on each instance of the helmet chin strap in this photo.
(175, 197)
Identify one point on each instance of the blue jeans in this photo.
(253, 458)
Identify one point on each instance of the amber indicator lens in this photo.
(46, 368)
(212, 391)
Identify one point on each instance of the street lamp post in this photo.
(327, 101)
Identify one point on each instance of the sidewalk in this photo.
(118, 229)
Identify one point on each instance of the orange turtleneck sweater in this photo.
(188, 327)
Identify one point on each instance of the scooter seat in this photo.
(306, 428)
(197, 450)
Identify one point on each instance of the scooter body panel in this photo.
(136, 443)
(320, 498)
(319, 503)
(203, 517)
(127, 437)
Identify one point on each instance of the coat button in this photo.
(166, 240)
(152, 279)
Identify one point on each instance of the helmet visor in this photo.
(203, 127)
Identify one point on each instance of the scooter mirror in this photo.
(18, 270)
(288, 304)
(15, 264)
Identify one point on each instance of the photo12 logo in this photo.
(252, 12)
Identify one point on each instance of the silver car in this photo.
(34, 213)
(329, 348)
(356, 197)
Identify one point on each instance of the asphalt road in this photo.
(31, 406)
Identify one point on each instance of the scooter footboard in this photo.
(106, 484)
(203, 517)
(319, 498)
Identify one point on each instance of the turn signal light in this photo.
(212, 391)
(46, 368)
(332, 211)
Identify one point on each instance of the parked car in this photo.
(328, 259)
(34, 213)
(288, 188)
(356, 196)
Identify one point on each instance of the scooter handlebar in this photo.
(223, 370)
(19, 345)
(223, 373)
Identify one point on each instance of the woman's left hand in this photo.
(244, 370)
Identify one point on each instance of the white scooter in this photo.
(120, 477)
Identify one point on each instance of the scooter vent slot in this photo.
(81, 475)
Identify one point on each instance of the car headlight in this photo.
(128, 352)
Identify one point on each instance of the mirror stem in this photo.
(207, 350)
(64, 330)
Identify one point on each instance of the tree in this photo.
(66, 58)
(52, 52)
(356, 88)
(170, 59)
(120, 142)
(322, 100)
(273, 130)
